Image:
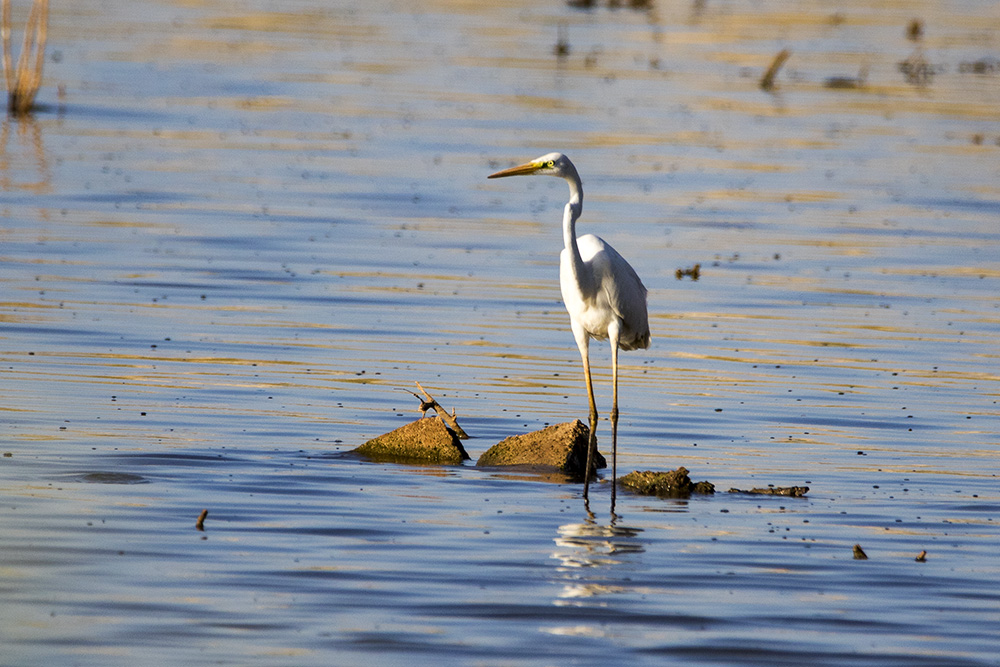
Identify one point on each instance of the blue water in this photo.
(235, 233)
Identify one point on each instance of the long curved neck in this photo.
(574, 207)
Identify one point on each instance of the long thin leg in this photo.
(583, 342)
(613, 335)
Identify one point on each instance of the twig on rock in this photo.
(429, 403)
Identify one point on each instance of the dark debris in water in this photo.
(638, 5)
(917, 70)
(792, 491)
(562, 47)
(847, 82)
(693, 272)
(767, 81)
(109, 478)
(981, 66)
(673, 484)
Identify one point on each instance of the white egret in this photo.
(603, 294)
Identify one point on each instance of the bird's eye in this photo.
(551, 164)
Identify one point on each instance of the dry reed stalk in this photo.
(24, 81)
(767, 81)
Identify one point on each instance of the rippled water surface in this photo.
(236, 231)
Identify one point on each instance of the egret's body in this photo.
(603, 295)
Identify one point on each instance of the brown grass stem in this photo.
(24, 80)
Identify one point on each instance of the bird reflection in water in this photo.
(589, 548)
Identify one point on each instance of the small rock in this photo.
(560, 446)
(674, 484)
(704, 487)
(422, 441)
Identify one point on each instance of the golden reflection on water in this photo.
(719, 100)
(245, 230)
(24, 164)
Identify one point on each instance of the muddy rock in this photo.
(422, 441)
(674, 484)
(560, 446)
(793, 491)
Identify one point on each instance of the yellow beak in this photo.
(523, 170)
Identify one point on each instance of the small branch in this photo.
(200, 524)
(424, 405)
(767, 81)
(449, 419)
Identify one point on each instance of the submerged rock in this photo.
(422, 441)
(793, 491)
(674, 484)
(560, 446)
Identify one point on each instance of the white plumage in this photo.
(603, 294)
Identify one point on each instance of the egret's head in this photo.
(551, 164)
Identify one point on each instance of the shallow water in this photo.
(236, 232)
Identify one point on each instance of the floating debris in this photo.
(847, 82)
(561, 49)
(767, 81)
(694, 272)
(200, 523)
(793, 491)
(917, 70)
(638, 5)
(921, 557)
(981, 66)
(107, 477)
(859, 553)
(915, 30)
